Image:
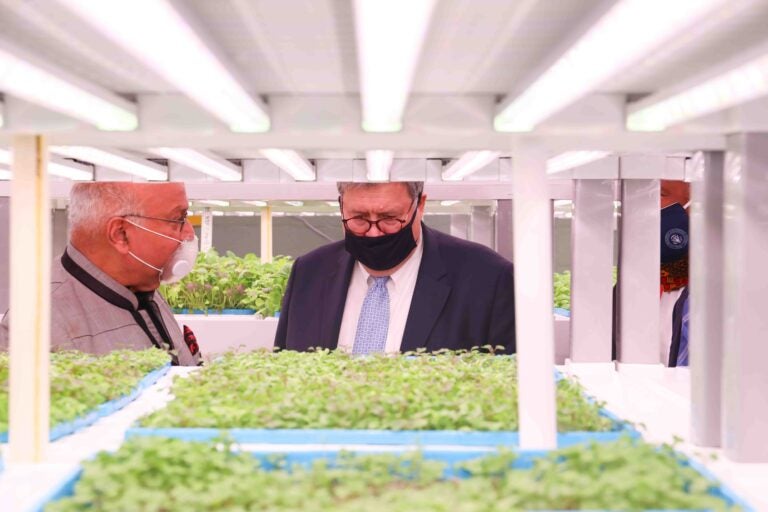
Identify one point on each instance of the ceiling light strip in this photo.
(378, 163)
(628, 32)
(203, 162)
(390, 35)
(115, 160)
(61, 92)
(291, 162)
(470, 162)
(170, 46)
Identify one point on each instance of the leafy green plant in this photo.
(223, 282)
(451, 391)
(562, 288)
(80, 381)
(156, 474)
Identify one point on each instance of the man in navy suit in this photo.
(395, 285)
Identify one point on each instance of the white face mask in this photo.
(181, 261)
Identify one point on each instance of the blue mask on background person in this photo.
(674, 233)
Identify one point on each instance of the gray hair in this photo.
(92, 204)
(415, 188)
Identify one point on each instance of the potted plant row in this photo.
(230, 284)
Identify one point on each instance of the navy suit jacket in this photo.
(464, 298)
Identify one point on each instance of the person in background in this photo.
(125, 239)
(395, 285)
(675, 199)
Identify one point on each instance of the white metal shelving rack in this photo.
(305, 68)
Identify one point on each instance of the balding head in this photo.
(92, 204)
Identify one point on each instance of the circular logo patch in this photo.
(676, 238)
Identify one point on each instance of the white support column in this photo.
(638, 283)
(30, 260)
(706, 297)
(481, 226)
(745, 350)
(532, 231)
(504, 242)
(460, 225)
(591, 274)
(206, 230)
(266, 234)
(5, 252)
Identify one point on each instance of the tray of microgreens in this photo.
(229, 283)
(154, 474)
(466, 398)
(86, 387)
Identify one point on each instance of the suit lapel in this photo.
(429, 296)
(333, 299)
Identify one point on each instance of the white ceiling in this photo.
(300, 56)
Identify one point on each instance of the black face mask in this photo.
(674, 233)
(382, 252)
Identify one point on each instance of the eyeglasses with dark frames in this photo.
(387, 225)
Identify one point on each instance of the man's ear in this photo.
(117, 235)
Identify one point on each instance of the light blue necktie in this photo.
(372, 326)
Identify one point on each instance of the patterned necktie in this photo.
(372, 326)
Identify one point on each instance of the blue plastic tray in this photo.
(524, 460)
(63, 429)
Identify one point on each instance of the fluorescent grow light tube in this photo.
(57, 90)
(571, 159)
(378, 163)
(723, 89)
(624, 35)
(114, 160)
(291, 162)
(155, 33)
(468, 163)
(390, 35)
(203, 162)
(256, 203)
(56, 167)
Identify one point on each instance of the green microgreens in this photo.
(459, 391)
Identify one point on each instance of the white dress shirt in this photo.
(400, 289)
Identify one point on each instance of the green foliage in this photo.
(158, 475)
(81, 382)
(222, 282)
(451, 391)
(562, 288)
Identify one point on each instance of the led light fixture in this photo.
(56, 89)
(5, 174)
(202, 161)
(256, 203)
(571, 159)
(294, 203)
(449, 202)
(291, 162)
(57, 167)
(114, 159)
(155, 33)
(378, 163)
(727, 88)
(213, 202)
(390, 35)
(468, 163)
(629, 31)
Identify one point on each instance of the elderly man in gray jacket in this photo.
(125, 239)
